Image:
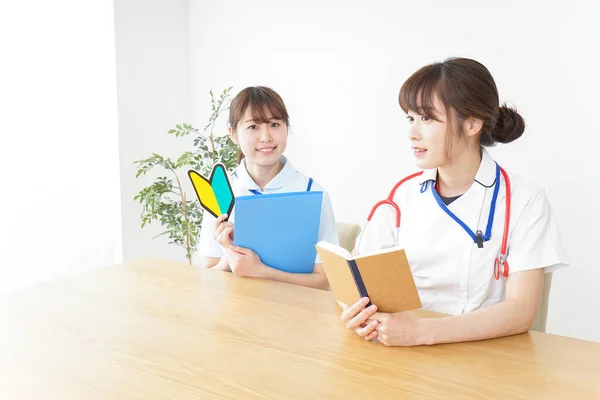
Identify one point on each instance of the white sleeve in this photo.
(379, 233)
(535, 241)
(207, 245)
(328, 228)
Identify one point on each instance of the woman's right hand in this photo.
(223, 231)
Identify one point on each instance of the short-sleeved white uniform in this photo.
(453, 275)
(287, 180)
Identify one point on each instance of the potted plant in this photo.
(165, 200)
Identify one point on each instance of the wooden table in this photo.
(153, 329)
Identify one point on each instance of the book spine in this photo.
(360, 285)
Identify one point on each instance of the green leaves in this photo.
(182, 130)
(185, 159)
(147, 164)
(164, 200)
(226, 152)
(151, 198)
(218, 106)
(171, 217)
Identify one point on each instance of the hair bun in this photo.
(509, 126)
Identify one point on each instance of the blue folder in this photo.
(281, 228)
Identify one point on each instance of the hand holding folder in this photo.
(384, 277)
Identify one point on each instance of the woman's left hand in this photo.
(398, 329)
(358, 318)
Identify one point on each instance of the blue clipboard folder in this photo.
(281, 228)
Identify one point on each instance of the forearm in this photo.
(507, 318)
(314, 280)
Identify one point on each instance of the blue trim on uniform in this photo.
(488, 229)
(253, 191)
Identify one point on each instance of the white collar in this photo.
(486, 174)
(284, 176)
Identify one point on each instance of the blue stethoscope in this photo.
(500, 263)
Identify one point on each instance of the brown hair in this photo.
(264, 102)
(466, 89)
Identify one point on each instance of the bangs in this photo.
(419, 92)
(264, 103)
(263, 113)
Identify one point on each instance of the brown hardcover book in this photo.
(383, 276)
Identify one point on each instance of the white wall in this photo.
(153, 93)
(339, 66)
(60, 198)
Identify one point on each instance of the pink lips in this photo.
(418, 152)
(266, 150)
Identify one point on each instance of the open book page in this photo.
(339, 274)
(340, 251)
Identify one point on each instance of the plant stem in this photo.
(187, 236)
(212, 144)
(185, 218)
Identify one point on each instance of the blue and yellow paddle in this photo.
(215, 194)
